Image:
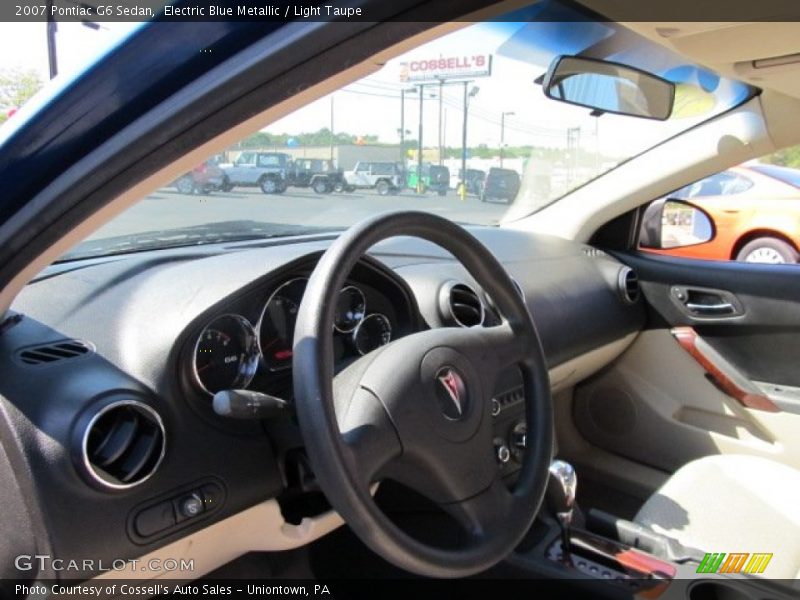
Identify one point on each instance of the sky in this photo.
(24, 45)
(372, 105)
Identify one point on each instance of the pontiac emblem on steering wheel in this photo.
(451, 392)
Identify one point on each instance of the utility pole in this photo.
(331, 130)
(441, 88)
(573, 147)
(444, 131)
(502, 133)
(419, 142)
(467, 96)
(52, 28)
(403, 125)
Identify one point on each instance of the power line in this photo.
(481, 113)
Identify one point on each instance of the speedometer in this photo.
(276, 332)
(225, 354)
(350, 307)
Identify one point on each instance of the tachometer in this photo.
(276, 333)
(226, 354)
(373, 332)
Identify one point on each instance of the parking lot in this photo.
(167, 209)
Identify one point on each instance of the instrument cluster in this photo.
(232, 351)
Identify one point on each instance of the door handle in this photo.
(720, 308)
(706, 303)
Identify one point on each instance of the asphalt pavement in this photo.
(167, 209)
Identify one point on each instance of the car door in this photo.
(714, 372)
(242, 169)
(362, 175)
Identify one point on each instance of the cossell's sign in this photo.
(435, 68)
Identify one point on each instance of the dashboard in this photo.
(111, 444)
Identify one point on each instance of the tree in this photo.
(788, 157)
(16, 88)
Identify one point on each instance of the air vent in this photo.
(629, 285)
(53, 352)
(593, 252)
(123, 444)
(461, 305)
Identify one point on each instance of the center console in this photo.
(615, 558)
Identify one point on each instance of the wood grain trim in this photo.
(687, 338)
(646, 564)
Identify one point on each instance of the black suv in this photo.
(318, 174)
(439, 179)
(500, 184)
(474, 180)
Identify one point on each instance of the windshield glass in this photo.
(784, 174)
(471, 101)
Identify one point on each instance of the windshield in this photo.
(784, 174)
(471, 101)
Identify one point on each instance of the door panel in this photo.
(697, 384)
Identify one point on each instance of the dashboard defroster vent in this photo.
(461, 305)
(593, 252)
(123, 444)
(55, 351)
(629, 285)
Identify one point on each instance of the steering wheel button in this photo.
(502, 452)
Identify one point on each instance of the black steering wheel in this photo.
(418, 410)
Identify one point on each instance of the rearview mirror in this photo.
(609, 87)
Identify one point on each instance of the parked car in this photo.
(270, 171)
(318, 174)
(384, 177)
(204, 178)
(500, 184)
(434, 177)
(473, 179)
(755, 212)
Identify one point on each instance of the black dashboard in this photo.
(111, 447)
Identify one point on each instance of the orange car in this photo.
(755, 214)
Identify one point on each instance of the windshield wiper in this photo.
(196, 235)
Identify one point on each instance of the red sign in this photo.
(437, 68)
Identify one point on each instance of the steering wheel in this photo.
(418, 410)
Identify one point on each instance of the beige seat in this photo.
(732, 503)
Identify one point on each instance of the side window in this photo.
(268, 160)
(382, 169)
(749, 213)
(363, 167)
(738, 184)
(246, 158)
(721, 184)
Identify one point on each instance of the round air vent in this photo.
(123, 444)
(629, 285)
(461, 305)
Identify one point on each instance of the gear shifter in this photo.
(561, 489)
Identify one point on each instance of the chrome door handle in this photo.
(715, 309)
